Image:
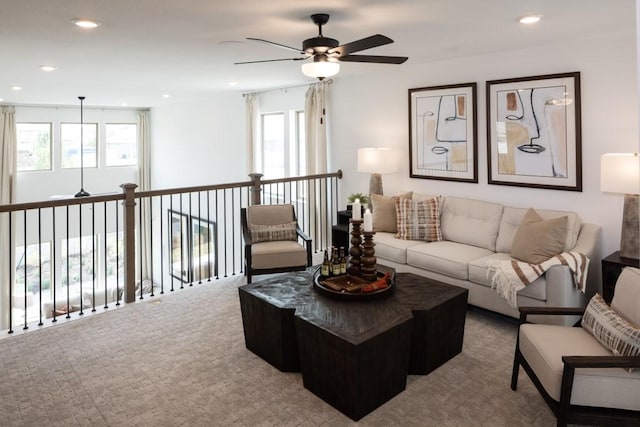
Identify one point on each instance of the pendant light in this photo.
(81, 193)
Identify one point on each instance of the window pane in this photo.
(70, 143)
(34, 146)
(273, 145)
(122, 149)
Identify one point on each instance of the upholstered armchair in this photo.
(589, 373)
(271, 235)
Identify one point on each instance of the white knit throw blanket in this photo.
(511, 276)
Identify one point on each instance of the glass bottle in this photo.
(343, 261)
(336, 262)
(326, 265)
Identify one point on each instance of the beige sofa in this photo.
(475, 232)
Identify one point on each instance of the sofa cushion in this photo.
(512, 217)
(478, 273)
(470, 221)
(391, 248)
(543, 347)
(273, 232)
(284, 253)
(448, 258)
(610, 329)
(537, 240)
(418, 220)
(626, 299)
(384, 211)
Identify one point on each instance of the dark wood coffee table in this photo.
(355, 355)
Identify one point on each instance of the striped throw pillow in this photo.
(611, 330)
(418, 219)
(271, 233)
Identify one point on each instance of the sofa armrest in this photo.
(588, 240)
(602, 361)
(554, 311)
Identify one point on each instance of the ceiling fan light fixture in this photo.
(320, 69)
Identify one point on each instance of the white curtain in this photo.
(316, 128)
(144, 183)
(8, 160)
(316, 150)
(250, 126)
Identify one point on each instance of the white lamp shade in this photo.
(376, 160)
(620, 173)
(320, 69)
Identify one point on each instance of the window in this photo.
(283, 151)
(34, 146)
(121, 144)
(273, 145)
(70, 145)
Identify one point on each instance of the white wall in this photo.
(198, 143)
(372, 110)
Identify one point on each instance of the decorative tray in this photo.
(354, 288)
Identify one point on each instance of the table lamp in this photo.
(620, 173)
(375, 161)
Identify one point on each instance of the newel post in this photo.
(128, 213)
(256, 189)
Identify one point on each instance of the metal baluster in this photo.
(93, 257)
(233, 236)
(200, 238)
(24, 232)
(11, 273)
(151, 244)
(53, 262)
(68, 308)
(161, 250)
(224, 204)
(182, 232)
(115, 204)
(171, 240)
(210, 234)
(189, 254)
(106, 267)
(140, 227)
(216, 246)
(40, 266)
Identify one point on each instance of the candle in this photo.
(356, 213)
(368, 220)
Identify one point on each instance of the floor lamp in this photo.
(620, 173)
(375, 161)
(81, 193)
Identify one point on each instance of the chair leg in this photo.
(516, 369)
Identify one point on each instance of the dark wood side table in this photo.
(340, 231)
(611, 268)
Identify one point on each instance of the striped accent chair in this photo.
(272, 239)
(588, 373)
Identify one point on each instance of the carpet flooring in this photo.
(180, 360)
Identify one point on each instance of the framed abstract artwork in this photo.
(533, 132)
(443, 133)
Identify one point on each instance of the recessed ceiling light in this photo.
(1, 99)
(166, 95)
(85, 23)
(124, 104)
(529, 19)
(48, 68)
(16, 88)
(232, 83)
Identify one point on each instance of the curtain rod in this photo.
(284, 88)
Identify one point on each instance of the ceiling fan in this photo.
(326, 52)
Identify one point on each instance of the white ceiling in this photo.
(146, 48)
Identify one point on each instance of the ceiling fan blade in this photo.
(269, 60)
(362, 44)
(374, 59)
(283, 46)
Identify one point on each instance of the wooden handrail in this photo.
(61, 202)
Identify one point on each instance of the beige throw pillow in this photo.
(610, 329)
(536, 240)
(271, 233)
(384, 211)
(418, 220)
